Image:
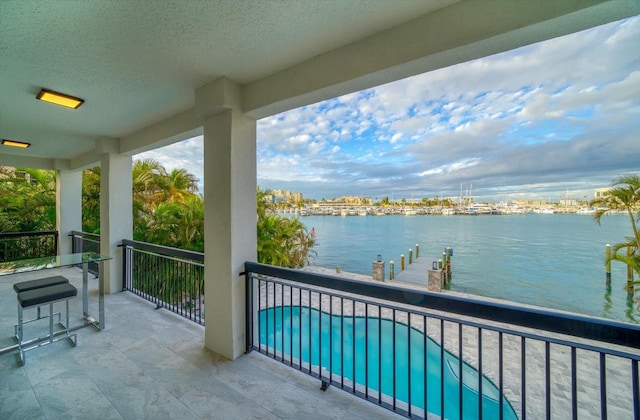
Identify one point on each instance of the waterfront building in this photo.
(601, 193)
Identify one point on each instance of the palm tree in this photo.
(147, 181)
(191, 226)
(91, 200)
(281, 241)
(624, 195)
(27, 200)
(178, 185)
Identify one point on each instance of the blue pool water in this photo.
(331, 341)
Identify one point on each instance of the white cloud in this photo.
(565, 112)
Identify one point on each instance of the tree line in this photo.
(168, 210)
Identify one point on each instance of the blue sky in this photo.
(537, 122)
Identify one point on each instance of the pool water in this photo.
(303, 334)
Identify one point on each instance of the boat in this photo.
(586, 211)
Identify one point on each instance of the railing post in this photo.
(248, 291)
(127, 265)
(76, 242)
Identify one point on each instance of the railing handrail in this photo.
(90, 236)
(165, 250)
(575, 325)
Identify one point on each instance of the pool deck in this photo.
(618, 373)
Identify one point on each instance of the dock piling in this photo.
(449, 252)
(378, 269)
(415, 270)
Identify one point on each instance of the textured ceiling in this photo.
(138, 62)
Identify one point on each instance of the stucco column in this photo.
(230, 213)
(68, 207)
(116, 214)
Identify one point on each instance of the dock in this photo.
(433, 273)
(416, 272)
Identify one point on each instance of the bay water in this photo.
(549, 260)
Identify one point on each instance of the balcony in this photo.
(151, 363)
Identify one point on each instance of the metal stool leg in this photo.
(73, 341)
(20, 336)
(51, 323)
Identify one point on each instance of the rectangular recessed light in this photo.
(15, 143)
(59, 99)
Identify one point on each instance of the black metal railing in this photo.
(86, 242)
(169, 277)
(425, 354)
(23, 245)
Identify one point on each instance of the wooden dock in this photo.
(415, 273)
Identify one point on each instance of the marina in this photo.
(343, 209)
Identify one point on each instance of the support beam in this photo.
(116, 214)
(230, 215)
(68, 207)
(16, 161)
(179, 127)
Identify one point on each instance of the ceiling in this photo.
(137, 63)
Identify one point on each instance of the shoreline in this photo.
(486, 209)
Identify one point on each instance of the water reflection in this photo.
(606, 309)
(631, 306)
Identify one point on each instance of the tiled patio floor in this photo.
(151, 363)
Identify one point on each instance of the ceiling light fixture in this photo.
(59, 99)
(15, 143)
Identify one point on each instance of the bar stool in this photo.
(44, 296)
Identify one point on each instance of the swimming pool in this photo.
(365, 355)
